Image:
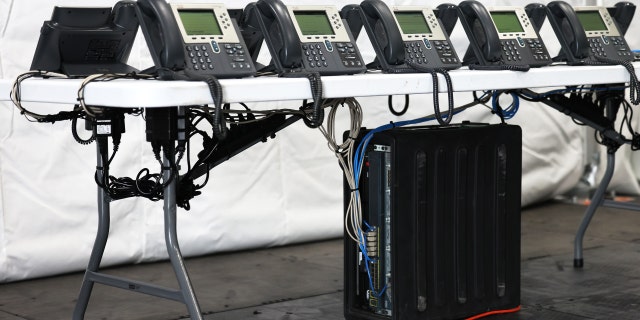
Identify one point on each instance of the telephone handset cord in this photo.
(317, 115)
(436, 89)
(219, 126)
(634, 84)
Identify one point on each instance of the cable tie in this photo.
(354, 190)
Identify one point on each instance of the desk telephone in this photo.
(501, 36)
(404, 36)
(193, 41)
(301, 38)
(589, 34)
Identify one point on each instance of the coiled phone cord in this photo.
(219, 126)
(634, 84)
(317, 114)
(436, 89)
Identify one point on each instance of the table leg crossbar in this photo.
(185, 294)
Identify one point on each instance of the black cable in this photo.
(404, 109)
(436, 90)
(317, 115)
(74, 133)
(634, 84)
(219, 126)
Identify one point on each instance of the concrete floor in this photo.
(305, 281)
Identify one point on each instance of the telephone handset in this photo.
(193, 41)
(623, 13)
(587, 34)
(302, 38)
(501, 36)
(405, 36)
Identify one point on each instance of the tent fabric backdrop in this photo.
(284, 191)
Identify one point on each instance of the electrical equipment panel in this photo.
(441, 224)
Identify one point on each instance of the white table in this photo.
(152, 93)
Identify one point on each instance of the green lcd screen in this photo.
(199, 22)
(506, 21)
(591, 21)
(412, 22)
(313, 23)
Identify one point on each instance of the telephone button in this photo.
(520, 41)
(327, 44)
(605, 39)
(215, 46)
(427, 43)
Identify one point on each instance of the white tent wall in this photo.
(284, 191)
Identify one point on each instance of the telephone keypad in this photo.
(201, 54)
(316, 57)
(511, 50)
(415, 51)
(595, 45)
(598, 47)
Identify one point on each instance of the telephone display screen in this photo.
(506, 22)
(412, 22)
(199, 22)
(313, 23)
(591, 21)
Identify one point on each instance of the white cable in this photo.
(344, 153)
(16, 87)
(102, 77)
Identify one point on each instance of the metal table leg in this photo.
(92, 275)
(596, 201)
(171, 238)
(104, 220)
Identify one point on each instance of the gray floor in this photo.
(305, 281)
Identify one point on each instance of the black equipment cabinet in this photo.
(442, 213)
